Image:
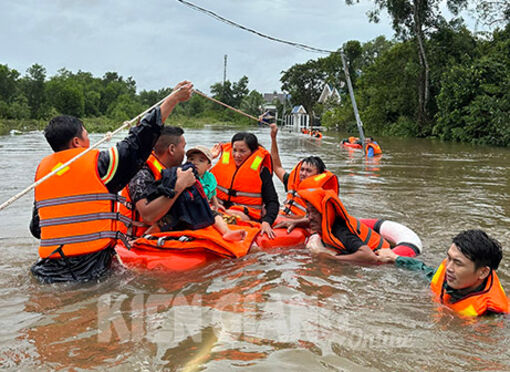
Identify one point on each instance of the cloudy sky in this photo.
(160, 42)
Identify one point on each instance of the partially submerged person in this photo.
(334, 232)
(74, 213)
(353, 141)
(245, 185)
(372, 148)
(310, 172)
(466, 281)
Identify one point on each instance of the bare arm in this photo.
(364, 255)
(277, 163)
(182, 92)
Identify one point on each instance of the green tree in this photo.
(239, 91)
(252, 102)
(412, 19)
(474, 101)
(8, 83)
(304, 82)
(33, 88)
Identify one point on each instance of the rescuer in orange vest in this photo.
(466, 281)
(75, 210)
(310, 172)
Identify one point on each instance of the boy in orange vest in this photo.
(466, 281)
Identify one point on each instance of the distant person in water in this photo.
(372, 148)
(466, 281)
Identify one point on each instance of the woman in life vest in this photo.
(309, 173)
(245, 185)
(466, 281)
(335, 232)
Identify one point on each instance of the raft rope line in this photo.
(311, 140)
(108, 136)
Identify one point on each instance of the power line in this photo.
(232, 23)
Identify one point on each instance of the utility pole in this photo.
(353, 100)
(224, 69)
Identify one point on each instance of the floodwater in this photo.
(276, 309)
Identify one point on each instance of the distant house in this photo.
(298, 118)
(329, 94)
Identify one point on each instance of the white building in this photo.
(298, 118)
(329, 94)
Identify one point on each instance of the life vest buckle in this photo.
(232, 192)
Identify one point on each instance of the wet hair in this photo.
(317, 161)
(251, 140)
(61, 130)
(479, 248)
(170, 135)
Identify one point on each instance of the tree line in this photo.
(109, 100)
(437, 79)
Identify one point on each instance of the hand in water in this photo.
(386, 255)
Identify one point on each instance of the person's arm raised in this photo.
(277, 163)
(182, 92)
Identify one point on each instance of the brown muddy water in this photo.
(276, 309)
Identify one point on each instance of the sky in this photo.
(161, 42)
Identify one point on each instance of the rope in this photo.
(229, 107)
(108, 136)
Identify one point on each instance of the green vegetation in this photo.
(28, 102)
(468, 86)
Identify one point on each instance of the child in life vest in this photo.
(201, 157)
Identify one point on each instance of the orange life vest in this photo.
(242, 185)
(330, 207)
(295, 205)
(375, 146)
(492, 298)
(208, 239)
(137, 227)
(77, 212)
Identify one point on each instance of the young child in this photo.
(201, 157)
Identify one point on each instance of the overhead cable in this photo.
(235, 24)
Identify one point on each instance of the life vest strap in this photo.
(291, 203)
(79, 238)
(85, 218)
(232, 192)
(77, 199)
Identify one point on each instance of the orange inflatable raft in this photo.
(186, 250)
